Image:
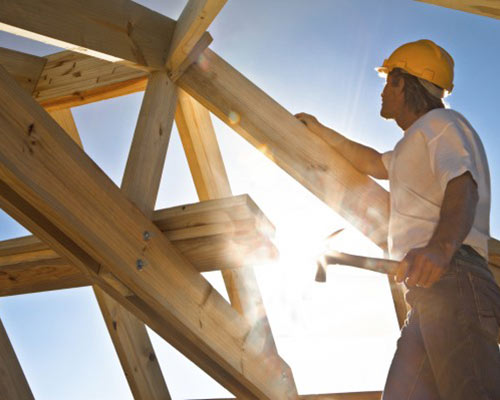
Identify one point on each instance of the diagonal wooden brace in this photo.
(51, 186)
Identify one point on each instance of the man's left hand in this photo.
(423, 266)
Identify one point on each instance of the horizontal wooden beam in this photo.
(115, 30)
(486, 8)
(213, 235)
(52, 187)
(71, 79)
(25, 68)
(338, 396)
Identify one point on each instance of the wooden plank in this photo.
(13, 383)
(216, 234)
(51, 186)
(281, 137)
(142, 176)
(202, 150)
(486, 8)
(115, 30)
(135, 351)
(192, 57)
(211, 181)
(190, 27)
(40, 276)
(24, 68)
(71, 79)
(338, 396)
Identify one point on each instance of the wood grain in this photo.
(24, 68)
(86, 218)
(115, 30)
(13, 383)
(190, 27)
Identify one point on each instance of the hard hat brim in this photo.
(382, 71)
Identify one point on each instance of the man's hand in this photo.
(308, 120)
(423, 266)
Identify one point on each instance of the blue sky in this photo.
(316, 56)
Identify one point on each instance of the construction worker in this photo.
(438, 229)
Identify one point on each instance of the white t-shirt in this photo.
(439, 146)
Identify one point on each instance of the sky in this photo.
(316, 56)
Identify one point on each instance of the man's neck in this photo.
(406, 118)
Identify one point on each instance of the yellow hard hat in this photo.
(423, 59)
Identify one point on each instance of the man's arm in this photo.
(363, 158)
(424, 266)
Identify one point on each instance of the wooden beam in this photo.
(39, 276)
(115, 30)
(189, 29)
(202, 150)
(194, 56)
(13, 383)
(338, 396)
(134, 349)
(71, 79)
(25, 68)
(51, 186)
(211, 181)
(212, 235)
(280, 136)
(486, 8)
(142, 176)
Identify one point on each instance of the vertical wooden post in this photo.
(13, 383)
(211, 181)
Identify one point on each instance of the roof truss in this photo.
(132, 271)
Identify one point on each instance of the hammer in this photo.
(381, 265)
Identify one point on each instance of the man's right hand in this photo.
(308, 120)
(364, 159)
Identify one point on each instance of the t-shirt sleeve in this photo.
(386, 159)
(451, 154)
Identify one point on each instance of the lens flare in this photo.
(234, 118)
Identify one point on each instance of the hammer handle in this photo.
(381, 265)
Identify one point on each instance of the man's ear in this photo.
(400, 86)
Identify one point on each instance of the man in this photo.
(438, 228)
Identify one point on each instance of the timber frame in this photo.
(151, 274)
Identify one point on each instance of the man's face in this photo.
(392, 98)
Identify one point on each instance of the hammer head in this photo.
(320, 273)
(321, 263)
